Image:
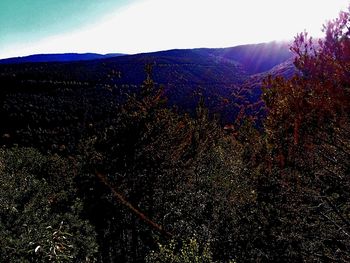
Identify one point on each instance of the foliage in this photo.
(189, 252)
(40, 213)
(181, 172)
(307, 130)
(133, 172)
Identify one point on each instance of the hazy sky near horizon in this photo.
(133, 26)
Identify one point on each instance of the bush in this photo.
(39, 213)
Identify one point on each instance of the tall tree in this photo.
(308, 140)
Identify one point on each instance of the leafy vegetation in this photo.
(41, 215)
(95, 171)
(188, 253)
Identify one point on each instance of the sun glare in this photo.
(152, 25)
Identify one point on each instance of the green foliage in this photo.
(181, 172)
(188, 252)
(40, 213)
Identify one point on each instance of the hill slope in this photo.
(48, 99)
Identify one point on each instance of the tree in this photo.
(308, 140)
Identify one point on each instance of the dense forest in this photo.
(94, 172)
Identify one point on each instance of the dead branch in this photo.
(119, 197)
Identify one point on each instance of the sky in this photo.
(134, 26)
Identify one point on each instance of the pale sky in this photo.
(122, 26)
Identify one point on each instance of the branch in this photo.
(336, 210)
(335, 224)
(130, 207)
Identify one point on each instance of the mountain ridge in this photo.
(57, 57)
(254, 58)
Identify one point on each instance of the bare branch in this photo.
(130, 207)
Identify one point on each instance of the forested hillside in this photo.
(56, 103)
(179, 156)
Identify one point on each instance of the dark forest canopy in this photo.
(95, 170)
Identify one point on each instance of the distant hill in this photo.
(65, 57)
(80, 88)
(254, 58)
